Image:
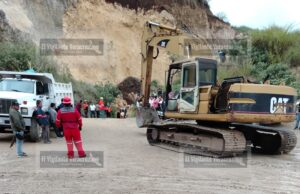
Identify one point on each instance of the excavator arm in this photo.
(156, 36)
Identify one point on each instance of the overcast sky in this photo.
(259, 13)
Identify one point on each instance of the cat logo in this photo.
(163, 43)
(278, 105)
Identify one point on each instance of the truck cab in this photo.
(27, 88)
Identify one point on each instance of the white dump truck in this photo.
(27, 88)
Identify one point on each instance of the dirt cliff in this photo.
(118, 22)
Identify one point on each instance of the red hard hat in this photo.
(67, 100)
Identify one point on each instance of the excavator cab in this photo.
(185, 80)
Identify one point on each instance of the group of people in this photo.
(156, 102)
(66, 118)
(92, 110)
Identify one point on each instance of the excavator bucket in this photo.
(146, 116)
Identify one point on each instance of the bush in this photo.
(272, 45)
(108, 91)
(277, 73)
(23, 56)
(293, 56)
(16, 57)
(235, 71)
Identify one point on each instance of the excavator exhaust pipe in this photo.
(146, 116)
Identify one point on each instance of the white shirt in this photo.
(92, 107)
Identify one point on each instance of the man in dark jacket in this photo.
(53, 114)
(60, 106)
(43, 121)
(18, 127)
(78, 106)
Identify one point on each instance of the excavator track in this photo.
(268, 140)
(227, 141)
(196, 139)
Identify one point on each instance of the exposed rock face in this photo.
(193, 15)
(7, 33)
(118, 22)
(33, 19)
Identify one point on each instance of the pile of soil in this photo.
(130, 87)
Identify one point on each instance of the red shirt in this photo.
(101, 105)
(85, 106)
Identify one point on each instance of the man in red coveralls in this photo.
(71, 121)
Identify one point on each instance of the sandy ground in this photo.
(132, 166)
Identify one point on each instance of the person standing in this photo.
(101, 103)
(43, 121)
(18, 127)
(70, 119)
(297, 117)
(109, 110)
(93, 110)
(122, 106)
(53, 114)
(97, 110)
(151, 99)
(161, 103)
(78, 106)
(155, 103)
(85, 108)
(60, 106)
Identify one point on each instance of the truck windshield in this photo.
(17, 86)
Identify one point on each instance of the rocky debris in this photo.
(129, 87)
(31, 20)
(119, 23)
(193, 15)
(7, 33)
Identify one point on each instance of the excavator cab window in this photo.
(207, 77)
(173, 88)
(189, 76)
(207, 72)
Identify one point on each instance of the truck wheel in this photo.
(35, 131)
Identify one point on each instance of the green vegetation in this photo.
(107, 90)
(156, 88)
(275, 53)
(23, 56)
(243, 69)
(275, 45)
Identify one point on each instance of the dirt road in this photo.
(132, 166)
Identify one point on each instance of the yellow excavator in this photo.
(205, 117)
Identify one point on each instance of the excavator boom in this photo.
(156, 36)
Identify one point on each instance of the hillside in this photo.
(118, 22)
